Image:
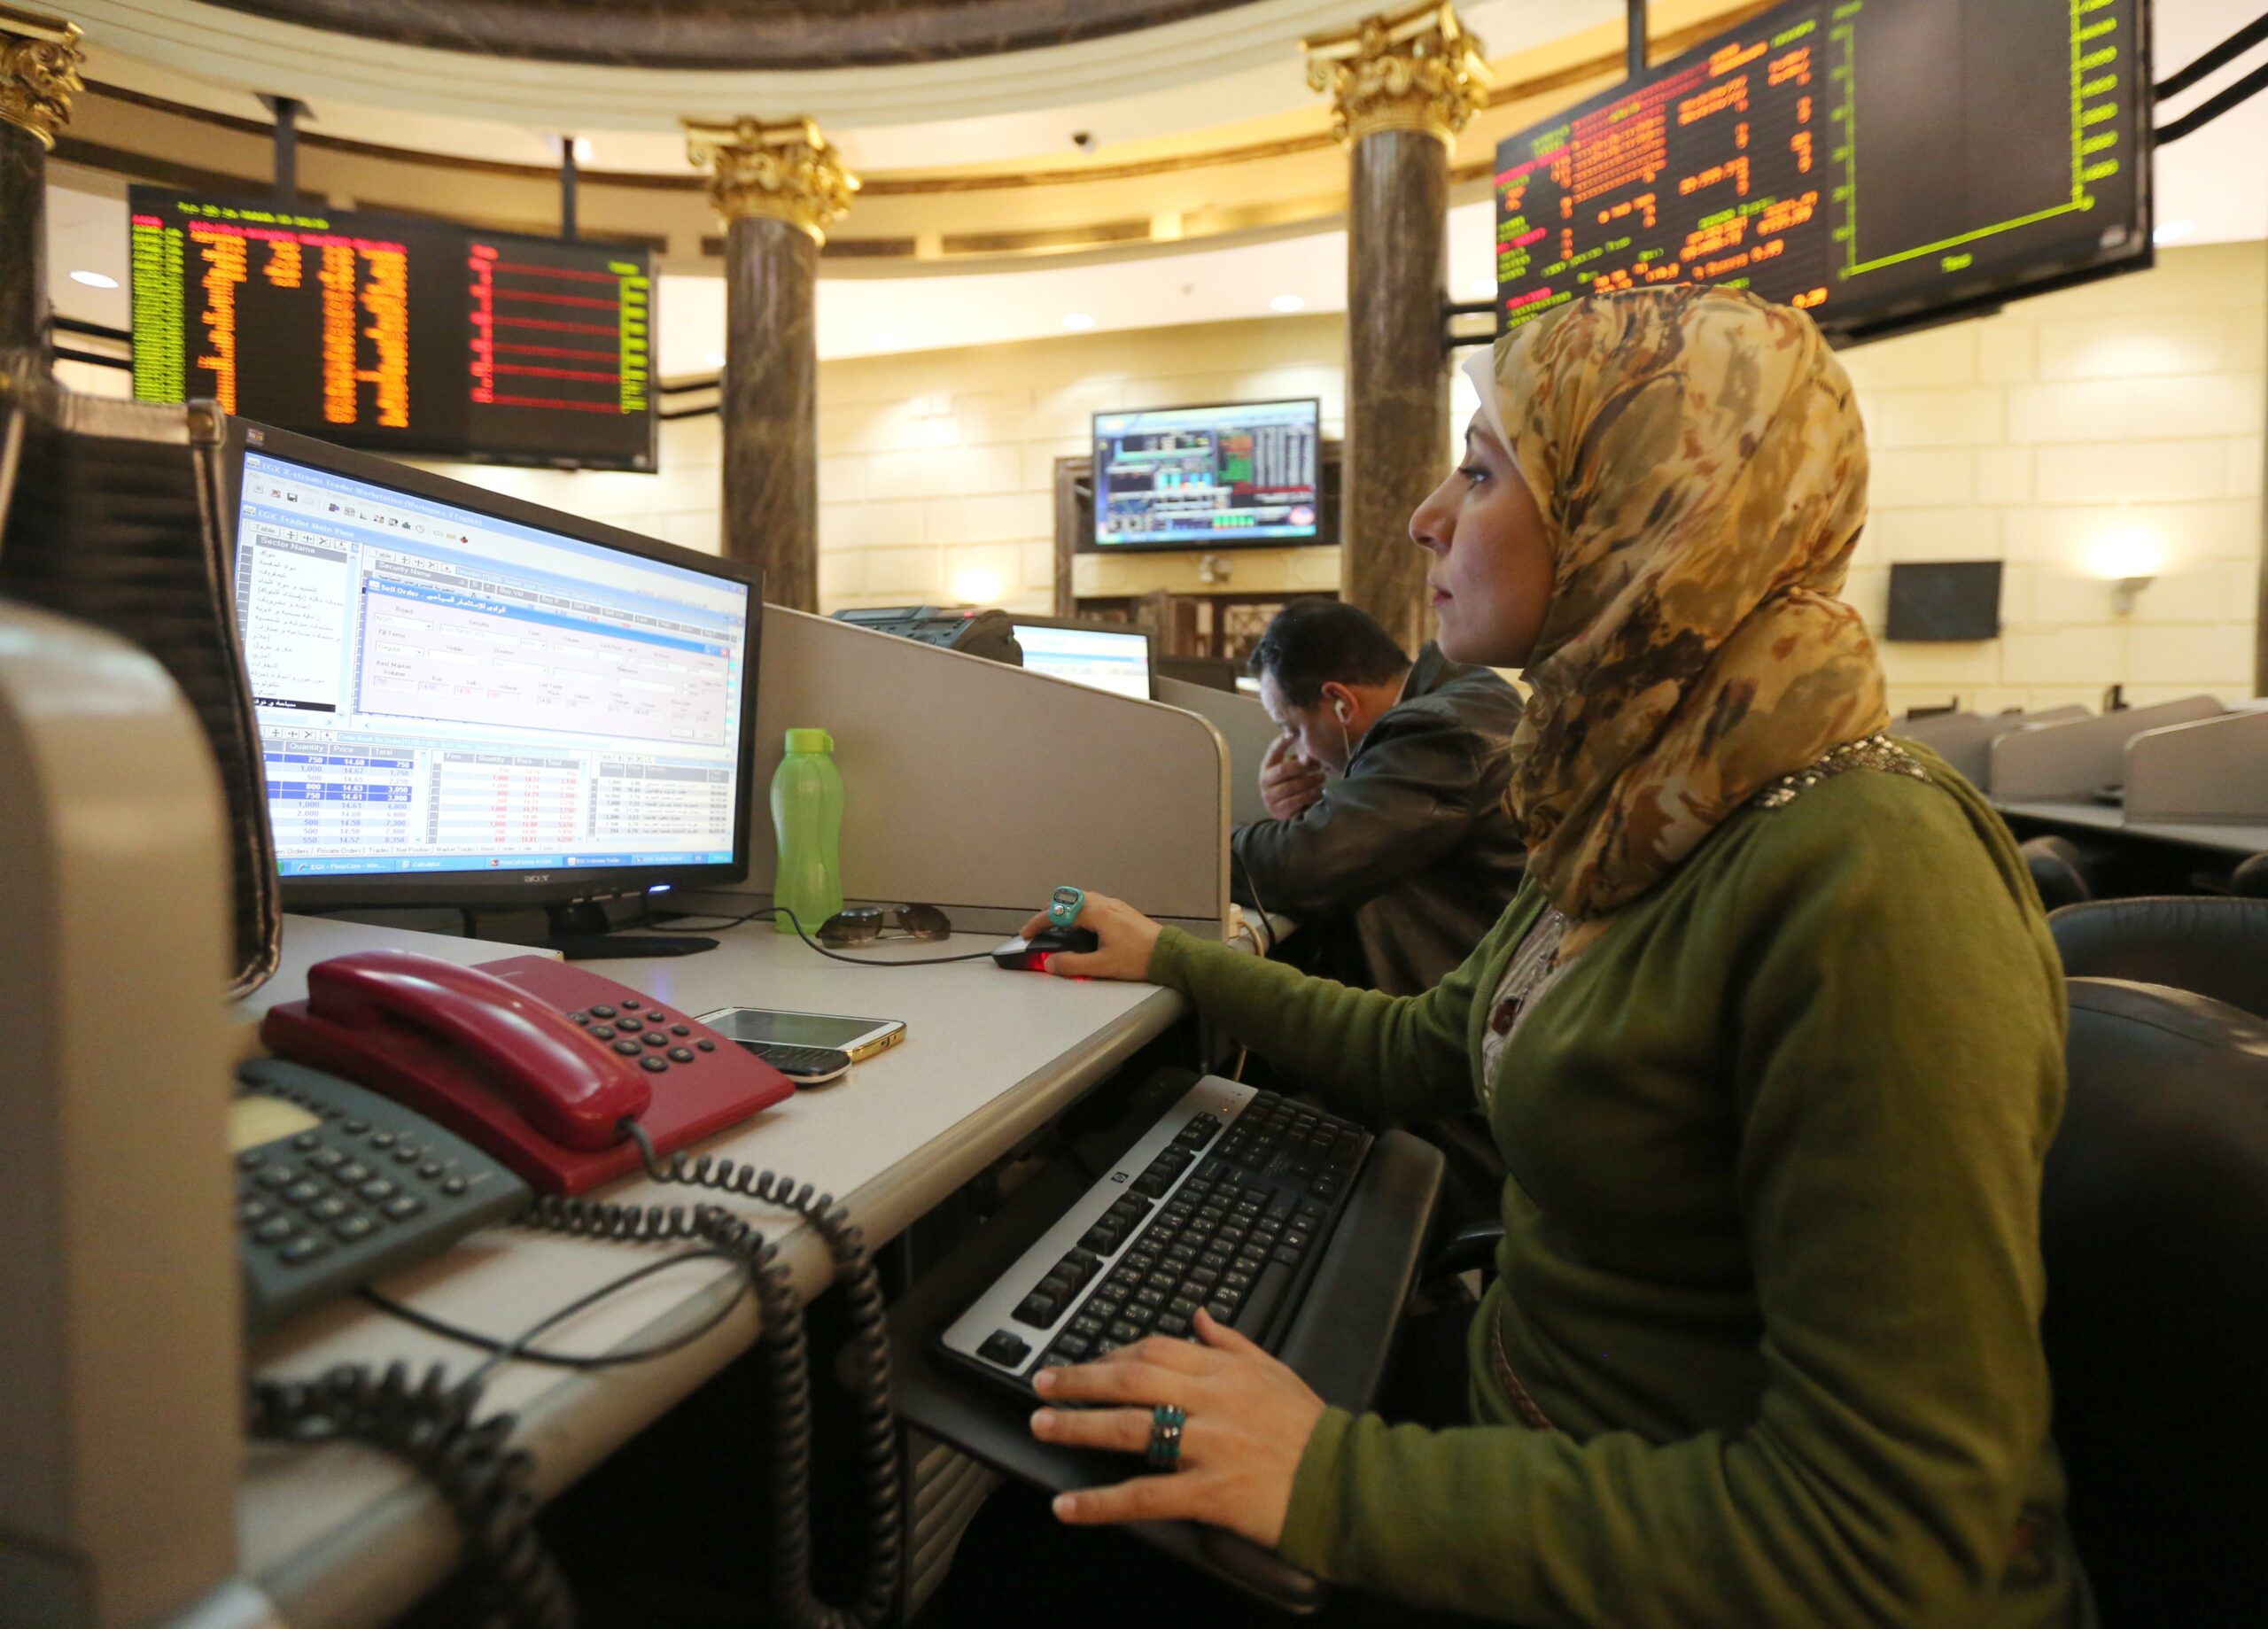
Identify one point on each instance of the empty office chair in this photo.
(2250, 879)
(2153, 1221)
(2202, 943)
(111, 513)
(2060, 870)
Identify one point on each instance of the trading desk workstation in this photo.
(399, 783)
(2176, 790)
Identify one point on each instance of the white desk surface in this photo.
(2233, 838)
(339, 1535)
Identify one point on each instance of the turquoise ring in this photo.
(1166, 1422)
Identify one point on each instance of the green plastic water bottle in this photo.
(807, 817)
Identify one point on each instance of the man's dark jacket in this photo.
(1407, 858)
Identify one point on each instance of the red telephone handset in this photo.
(537, 1062)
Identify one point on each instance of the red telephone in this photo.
(538, 1062)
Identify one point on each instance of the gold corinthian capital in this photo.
(786, 171)
(39, 71)
(1418, 69)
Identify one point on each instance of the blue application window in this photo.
(439, 690)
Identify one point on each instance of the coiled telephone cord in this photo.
(429, 1423)
(788, 1361)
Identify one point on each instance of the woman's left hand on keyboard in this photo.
(1248, 1418)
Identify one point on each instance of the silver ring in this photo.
(1166, 1422)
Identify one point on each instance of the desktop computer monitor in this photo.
(464, 699)
(1104, 655)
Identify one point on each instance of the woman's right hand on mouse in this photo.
(1124, 937)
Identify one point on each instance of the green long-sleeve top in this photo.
(1771, 1261)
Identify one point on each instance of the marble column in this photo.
(1402, 86)
(778, 188)
(39, 71)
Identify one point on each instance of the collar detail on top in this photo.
(1877, 751)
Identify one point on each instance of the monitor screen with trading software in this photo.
(1884, 165)
(1217, 477)
(1099, 654)
(397, 336)
(463, 699)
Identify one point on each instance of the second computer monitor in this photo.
(1104, 655)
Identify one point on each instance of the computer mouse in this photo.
(1031, 955)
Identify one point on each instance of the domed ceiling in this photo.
(732, 33)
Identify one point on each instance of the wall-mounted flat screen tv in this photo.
(400, 336)
(1945, 600)
(1221, 475)
(1883, 164)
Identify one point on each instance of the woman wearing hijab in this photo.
(1771, 1041)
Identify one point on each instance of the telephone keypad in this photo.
(679, 1054)
(630, 1022)
(604, 1032)
(628, 1049)
(654, 1064)
(601, 1010)
(655, 1037)
(315, 1219)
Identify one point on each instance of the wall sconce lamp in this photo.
(2129, 558)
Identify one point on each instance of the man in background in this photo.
(1388, 843)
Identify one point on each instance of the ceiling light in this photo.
(715, 359)
(1287, 303)
(1078, 321)
(2173, 231)
(94, 280)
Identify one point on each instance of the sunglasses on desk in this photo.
(855, 925)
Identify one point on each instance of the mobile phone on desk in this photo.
(806, 1047)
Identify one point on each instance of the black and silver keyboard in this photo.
(1224, 1203)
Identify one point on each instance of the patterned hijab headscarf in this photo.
(1697, 458)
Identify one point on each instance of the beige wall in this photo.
(2038, 438)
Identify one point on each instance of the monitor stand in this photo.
(578, 932)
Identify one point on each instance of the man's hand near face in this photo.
(1288, 782)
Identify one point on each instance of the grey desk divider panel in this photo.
(2072, 760)
(1245, 724)
(1964, 740)
(979, 787)
(2212, 772)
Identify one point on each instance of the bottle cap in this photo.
(810, 740)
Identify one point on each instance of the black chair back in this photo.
(2205, 943)
(2059, 870)
(110, 512)
(2154, 1227)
